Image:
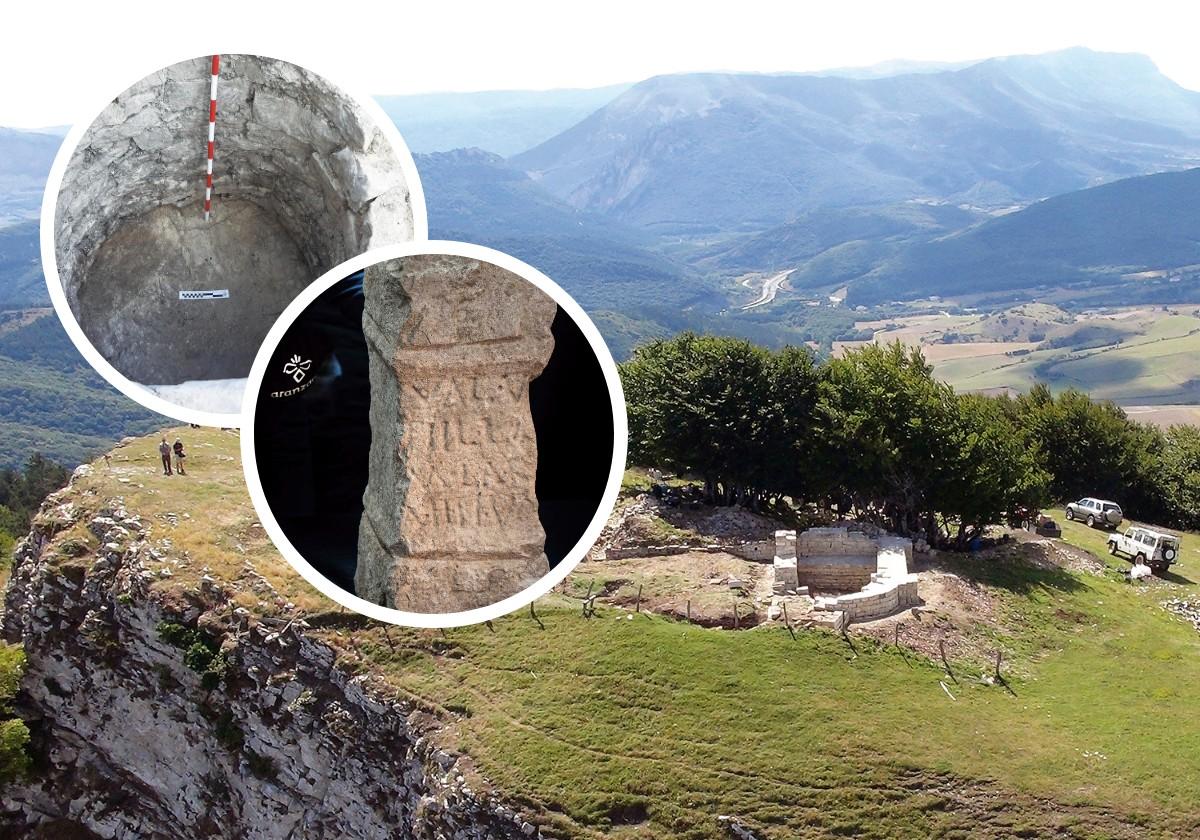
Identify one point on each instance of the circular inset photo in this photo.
(435, 434)
(181, 221)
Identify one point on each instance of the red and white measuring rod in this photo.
(212, 134)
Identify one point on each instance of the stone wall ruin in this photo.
(303, 179)
(860, 577)
(450, 516)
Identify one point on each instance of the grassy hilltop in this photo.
(637, 726)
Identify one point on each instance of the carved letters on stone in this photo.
(451, 516)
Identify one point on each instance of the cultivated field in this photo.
(1142, 358)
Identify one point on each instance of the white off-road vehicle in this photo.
(1150, 548)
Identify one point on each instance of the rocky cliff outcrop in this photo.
(189, 716)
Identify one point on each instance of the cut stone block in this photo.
(450, 518)
(785, 574)
(785, 544)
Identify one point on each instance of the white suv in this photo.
(1150, 548)
(1096, 512)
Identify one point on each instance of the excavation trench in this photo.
(303, 179)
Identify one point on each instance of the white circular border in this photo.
(135, 391)
(607, 501)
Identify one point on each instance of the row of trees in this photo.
(22, 492)
(874, 433)
(1094, 449)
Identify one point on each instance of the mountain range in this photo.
(504, 122)
(475, 195)
(704, 154)
(25, 158)
(51, 401)
(663, 205)
(21, 281)
(972, 180)
(1141, 231)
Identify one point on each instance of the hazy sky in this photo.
(64, 64)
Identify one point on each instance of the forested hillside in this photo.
(52, 402)
(1083, 239)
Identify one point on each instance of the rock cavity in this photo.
(303, 179)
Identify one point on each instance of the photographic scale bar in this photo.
(212, 134)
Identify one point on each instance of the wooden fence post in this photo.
(588, 607)
(945, 661)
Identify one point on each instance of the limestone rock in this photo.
(288, 745)
(451, 516)
(303, 179)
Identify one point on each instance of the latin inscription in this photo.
(480, 391)
(477, 511)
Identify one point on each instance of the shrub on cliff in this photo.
(14, 735)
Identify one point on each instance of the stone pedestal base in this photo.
(415, 584)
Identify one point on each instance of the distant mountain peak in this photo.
(684, 153)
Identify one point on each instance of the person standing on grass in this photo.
(179, 456)
(164, 449)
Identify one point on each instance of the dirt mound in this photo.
(647, 521)
(963, 614)
(957, 614)
(725, 524)
(1046, 553)
(708, 588)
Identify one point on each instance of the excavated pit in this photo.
(171, 248)
(303, 179)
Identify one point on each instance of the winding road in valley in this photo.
(769, 290)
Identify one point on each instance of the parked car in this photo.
(1095, 512)
(1150, 548)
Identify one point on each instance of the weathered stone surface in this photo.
(450, 516)
(786, 578)
(842, 560)
(188, 249)
(303, 179)
(135, 745)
